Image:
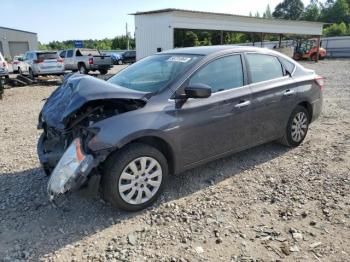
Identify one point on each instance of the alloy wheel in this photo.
(299, 126)
(140, 180)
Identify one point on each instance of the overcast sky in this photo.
(97, 19)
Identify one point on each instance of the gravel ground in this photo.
(265, 204)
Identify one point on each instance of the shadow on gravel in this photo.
(30, 226)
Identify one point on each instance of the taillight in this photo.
(59, 60)
(320, 81)
(38, 61)
(91, 61)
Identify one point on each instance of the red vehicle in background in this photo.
(307, 49)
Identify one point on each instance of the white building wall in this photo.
(152, 32)
(8, 35)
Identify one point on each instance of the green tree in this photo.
(289, 9)
(312, 12)
(267, 13)
(336, 12)
(336, 30)
(121, 42)
(191, 39)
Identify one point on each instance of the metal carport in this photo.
(154, 30)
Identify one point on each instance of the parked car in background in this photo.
(37, 63)
(129, 57)
(16, 62)
(117, 58)
(4, 70)
(171, 112)
(85, 60)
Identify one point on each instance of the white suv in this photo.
(4, 70)
(41, 63)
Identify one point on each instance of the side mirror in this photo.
(198, 91)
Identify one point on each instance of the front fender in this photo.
(119, 130)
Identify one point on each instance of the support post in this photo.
(262, 39)
(280, 41)
(252, 36)
(318, 47)
(221, 37)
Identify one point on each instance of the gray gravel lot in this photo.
(268, 203)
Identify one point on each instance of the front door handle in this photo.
(242, 104)
(289, 92)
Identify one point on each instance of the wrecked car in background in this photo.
(171, 112)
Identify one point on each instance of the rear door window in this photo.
(221, 74)
(264, 67)
(70, 53)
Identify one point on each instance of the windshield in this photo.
(154, 73)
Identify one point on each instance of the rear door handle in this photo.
(242, 104)
(289, 92)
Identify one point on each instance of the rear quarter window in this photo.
(264, 67)
(287, 64)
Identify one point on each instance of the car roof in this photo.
(208, 50)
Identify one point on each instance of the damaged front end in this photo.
(67, 118)
(71, 171)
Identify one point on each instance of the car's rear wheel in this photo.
(103, 71)
(134, 177)
(120, 62)
(82, 69)
(297, 127)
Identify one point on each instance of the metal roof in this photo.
(207, 50)
(169, 10)
(18, 30)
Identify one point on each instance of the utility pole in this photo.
(127, 37)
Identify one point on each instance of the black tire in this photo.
(31, 74)
(20, 71)
(314, 57)
(103, 71)
(288, 139)
(120, 62)
(40, 145)
(82, 69)
(117, 162)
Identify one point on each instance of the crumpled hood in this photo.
(75, 91)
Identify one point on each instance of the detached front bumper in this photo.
(71, 171)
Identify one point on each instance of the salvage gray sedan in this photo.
(171, 112)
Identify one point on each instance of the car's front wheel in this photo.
(134, 176)
(297, 127)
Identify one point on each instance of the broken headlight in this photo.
(71, 171)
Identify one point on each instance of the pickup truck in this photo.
(85, 60)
